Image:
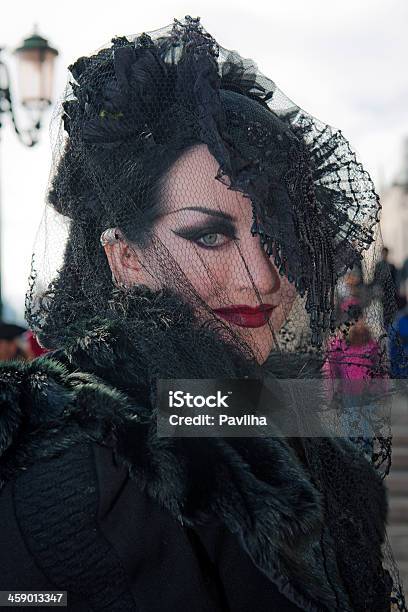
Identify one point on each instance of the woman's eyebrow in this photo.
(207, 211)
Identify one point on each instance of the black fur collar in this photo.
(99, 388)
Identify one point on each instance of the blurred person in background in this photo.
(11, 341)
(403, 277)
(385, 285)
(348, 287)
(398, 341)
(350, 363)
(387, 265)
(351, 294)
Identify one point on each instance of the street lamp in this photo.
(36, 68)
(35, 75)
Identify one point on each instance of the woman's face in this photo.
(205, 228)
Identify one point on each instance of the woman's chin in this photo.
(260, 340)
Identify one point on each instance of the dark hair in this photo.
(73, 195)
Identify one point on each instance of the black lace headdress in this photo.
(156, 125)
(314, 207)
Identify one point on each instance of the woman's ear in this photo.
(122, 258)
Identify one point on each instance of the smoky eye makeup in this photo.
(197, 231)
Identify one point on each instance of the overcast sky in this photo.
(344, 61)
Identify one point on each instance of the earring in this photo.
(110, 236)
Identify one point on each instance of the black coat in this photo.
(79, 523)
(93, 502)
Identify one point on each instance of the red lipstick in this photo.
(246, 316)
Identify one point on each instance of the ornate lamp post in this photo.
(35, 75)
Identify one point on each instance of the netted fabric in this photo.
(178, 165)
(136, 107)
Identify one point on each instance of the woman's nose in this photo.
(260, 270)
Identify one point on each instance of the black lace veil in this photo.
(179, 166)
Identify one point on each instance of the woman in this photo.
(204, 227)
(352, 363)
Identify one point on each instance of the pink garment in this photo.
(349, 302)
(355, 366)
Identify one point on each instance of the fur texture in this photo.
(291, 517)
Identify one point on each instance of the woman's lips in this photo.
(246, 316)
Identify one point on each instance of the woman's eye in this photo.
(210, 237)
(212, 240)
